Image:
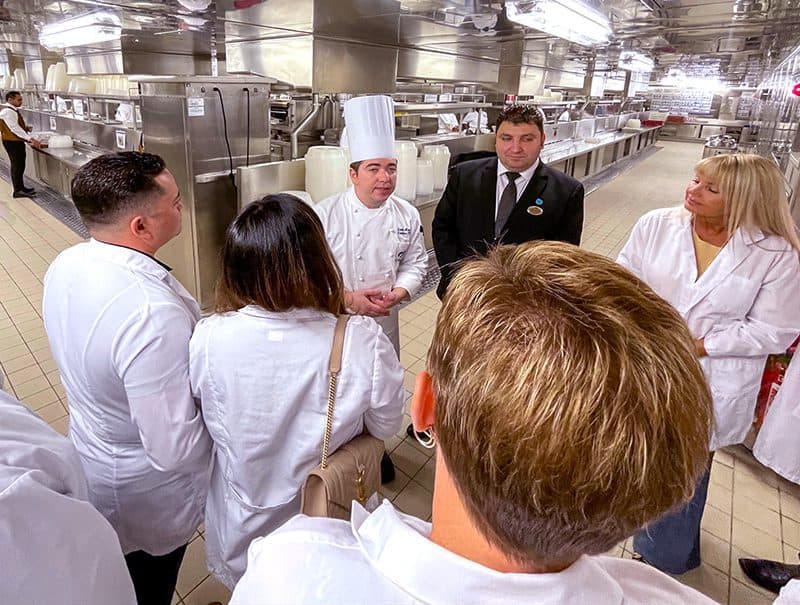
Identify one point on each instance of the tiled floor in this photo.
(751, 511)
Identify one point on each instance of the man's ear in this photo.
(140, 228)
(423, 403)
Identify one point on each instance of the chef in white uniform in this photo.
(375, 236)
(778, 442)
(476, 122)
(119, 327)
(56, 548)
(447, 122)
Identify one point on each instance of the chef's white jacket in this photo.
(54, 546)
(375, 247)
(778, 443)
(744, 305)
(119, 326)
(386, 557)
(262, 379)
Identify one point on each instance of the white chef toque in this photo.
(370, 127)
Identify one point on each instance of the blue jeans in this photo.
(672, 543)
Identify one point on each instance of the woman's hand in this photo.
(700, 348)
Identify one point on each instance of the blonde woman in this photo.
(536, 476)
(728, 262)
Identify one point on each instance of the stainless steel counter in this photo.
(56, 167)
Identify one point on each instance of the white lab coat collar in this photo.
(139, 261)
(388, 537)
(733, 254)
(290, 315)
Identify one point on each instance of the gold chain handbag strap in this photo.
(334, 367)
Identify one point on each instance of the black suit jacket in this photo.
(463, 225)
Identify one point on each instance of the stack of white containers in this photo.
(406, 152)
(424, 177)
(439, 155)
(56, 77)
(326, 172)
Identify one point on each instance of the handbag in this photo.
(353, 472)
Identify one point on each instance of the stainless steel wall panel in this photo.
(427, 65)
(355, 68)
(254, 182)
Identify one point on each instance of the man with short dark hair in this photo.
(14, 133)
(511, 199)
(119, 326)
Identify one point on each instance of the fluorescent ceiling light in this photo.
(633, 61)
(89, 28)
(569, 19)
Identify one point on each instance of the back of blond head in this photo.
(754, 194)
(570, 407)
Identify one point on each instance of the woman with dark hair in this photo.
(259, 366)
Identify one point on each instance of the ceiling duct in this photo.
(730, 45)
(343, 46)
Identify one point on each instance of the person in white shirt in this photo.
(119, 326)
(728, 260)
(563, 421)
(447, 122)
(15, 133)
(56, 548)
(476, 122)
(375, 236)
(259, 368)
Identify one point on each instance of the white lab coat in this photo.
(778, 443)
(386, 557)
(56, 548)
(119, 326)
(447, 122)
(744, 305)
(471, 121)
(382, 247)
(262, 379)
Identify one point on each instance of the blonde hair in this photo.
(570, 407)
(754, 194)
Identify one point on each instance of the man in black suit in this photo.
(510, 199)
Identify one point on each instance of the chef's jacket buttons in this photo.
(358, 235)
(360, 279)
(359, 257)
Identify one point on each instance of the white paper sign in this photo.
(120, 139)
(195, 107)
(77, 107)
(52, 123)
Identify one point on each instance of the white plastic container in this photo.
(424, 177)
(302, 195)
(60, 141)
(20, 78)
(326, 169)
(440, 157)
(406, 152)
(48, 80)
(59, 80)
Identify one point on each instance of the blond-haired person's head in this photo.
(753, 192)
(566, 400)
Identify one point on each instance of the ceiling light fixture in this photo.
(569, 19)
(633, 61)
(89, 28)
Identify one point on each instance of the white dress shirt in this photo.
(262, 379)
(386, 558)
(56, 548)
(502, 182)
(744, 305)
(119, 326)
(9, 114)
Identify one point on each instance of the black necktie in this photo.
(507, 202)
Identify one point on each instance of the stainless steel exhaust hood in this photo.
(319, 45)
(144, 52)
